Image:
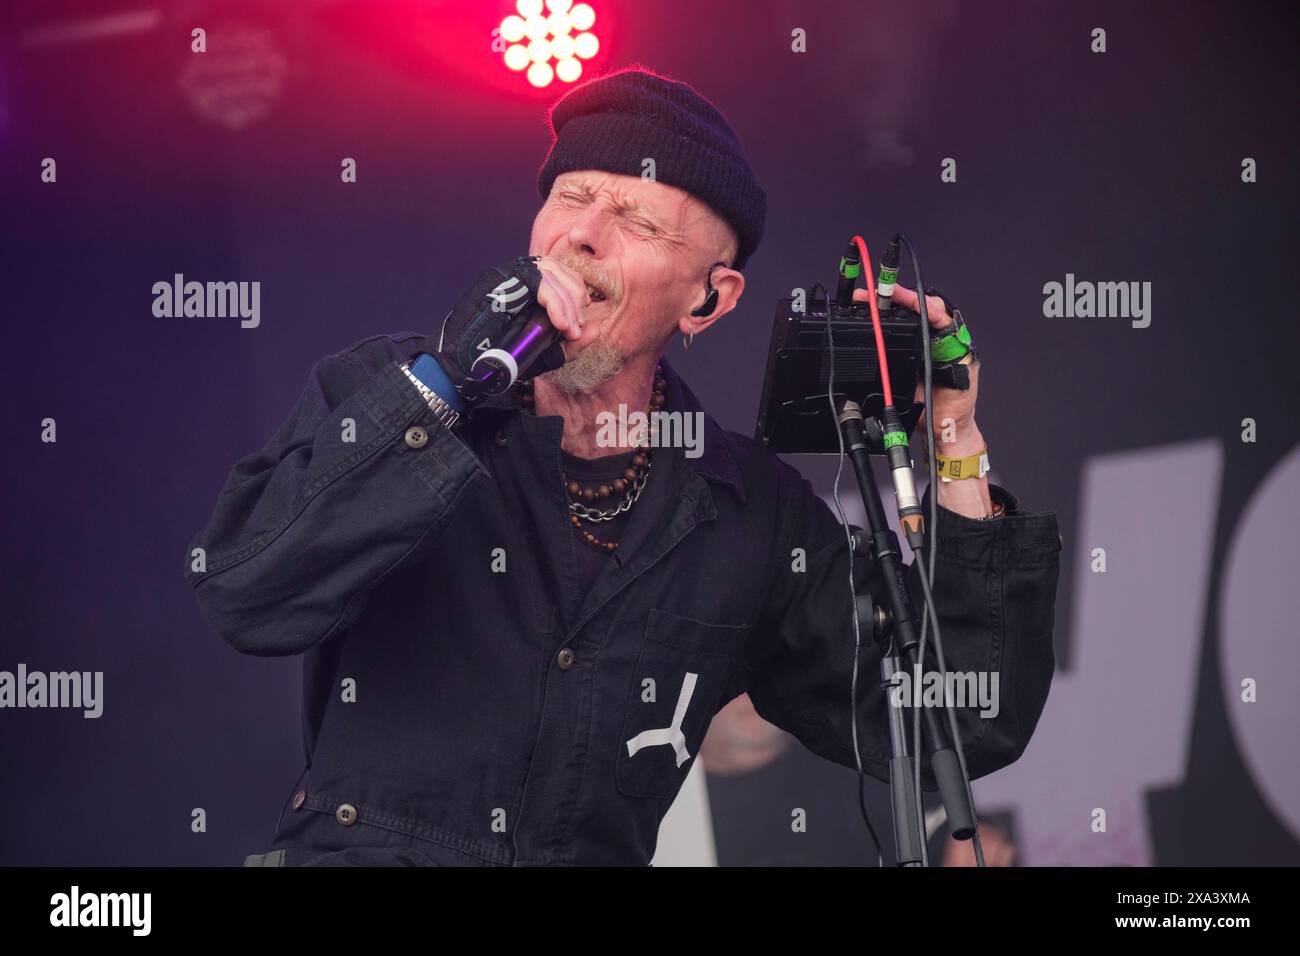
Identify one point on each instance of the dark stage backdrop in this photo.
(1166, 160)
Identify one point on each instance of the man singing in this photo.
(514, 635)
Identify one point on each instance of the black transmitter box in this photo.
(795, 416)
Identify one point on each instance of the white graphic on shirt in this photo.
(671, 734)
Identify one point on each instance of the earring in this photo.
(687, 339)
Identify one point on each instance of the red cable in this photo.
(875, 321)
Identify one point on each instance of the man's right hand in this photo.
(471, 324)
(563, 293)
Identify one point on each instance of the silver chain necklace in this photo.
(629, 499)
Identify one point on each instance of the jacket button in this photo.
(299, 799)
(564, 659)
(416, 437)
(346, 814)
(502, 439)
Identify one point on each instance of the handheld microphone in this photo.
(530, 342)
(508, 336)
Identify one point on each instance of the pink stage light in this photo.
(548, 40)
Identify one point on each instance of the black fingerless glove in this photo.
(497, 299)
(950, 374)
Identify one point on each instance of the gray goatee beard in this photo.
(591, 368)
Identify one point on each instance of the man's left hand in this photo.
(955, 431)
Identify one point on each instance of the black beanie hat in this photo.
(614, 122)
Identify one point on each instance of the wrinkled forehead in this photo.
(669, 206)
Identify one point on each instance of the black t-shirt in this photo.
(591, 471)
(530, 467)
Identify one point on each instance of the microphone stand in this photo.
(896, 632)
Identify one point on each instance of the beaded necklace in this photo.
(629, 485)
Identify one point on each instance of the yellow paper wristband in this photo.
(956, 469)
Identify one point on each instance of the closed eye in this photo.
(642, 225)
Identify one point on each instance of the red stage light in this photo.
(517, 57)
(582, 16)
(540, 74)
(539, 51)
(512, 29)
(568, 70)
(559, 24)
(586, 45)
(548, 39)
(562, 48)
(536, 28)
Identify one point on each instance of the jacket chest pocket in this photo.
(681, 673)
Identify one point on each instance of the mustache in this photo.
(593, 275)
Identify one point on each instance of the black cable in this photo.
(927, 576)
(961, 759)
(928, 377)
(853, 594)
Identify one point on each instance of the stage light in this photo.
(582, 16)
(539, 51)
(550, 34)
(568, 69)
(512, 29)
(559, 24)
(536, 28)
(562, 48)
(517, 57)
(586, 45)
(540, 74)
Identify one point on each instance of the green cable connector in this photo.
(895, 438)
(950, 347)
(850, 270)
(888, 276)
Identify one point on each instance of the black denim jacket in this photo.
(451, 716)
